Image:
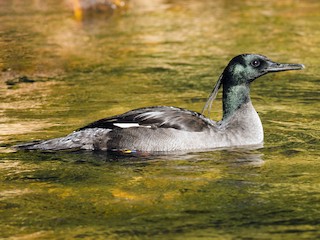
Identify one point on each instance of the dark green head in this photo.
(245, 68)
(238, 75)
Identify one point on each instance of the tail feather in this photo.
(87, 139)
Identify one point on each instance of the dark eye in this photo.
(255, 63)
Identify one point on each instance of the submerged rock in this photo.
(22, 79)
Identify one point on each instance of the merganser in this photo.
(162, 128)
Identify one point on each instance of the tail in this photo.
(88, 139)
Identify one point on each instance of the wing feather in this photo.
(156, 117)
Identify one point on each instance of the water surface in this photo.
(59, 72)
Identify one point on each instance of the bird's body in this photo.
(161, 128)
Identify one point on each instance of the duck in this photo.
(167, 128)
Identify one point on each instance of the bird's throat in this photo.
(233, 98)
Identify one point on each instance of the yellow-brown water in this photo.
(60, 72)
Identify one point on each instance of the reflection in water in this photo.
(236, 156)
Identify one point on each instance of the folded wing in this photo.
(155, 117)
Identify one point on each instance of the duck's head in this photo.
(247, 67)
(241, 71)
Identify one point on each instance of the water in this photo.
(157, 53)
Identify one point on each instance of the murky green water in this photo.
(157, 53)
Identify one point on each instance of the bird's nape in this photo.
(208, 106)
